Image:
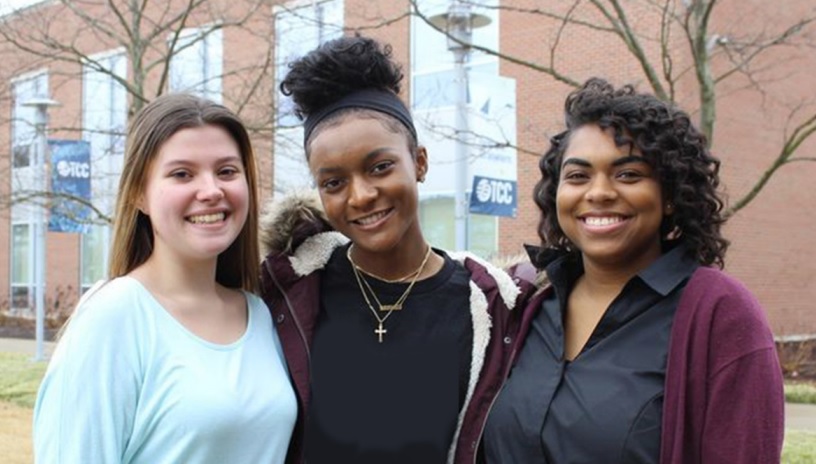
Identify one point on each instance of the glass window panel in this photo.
(94, 256)
(21, 256)
(437, 221)
(298, 31)
(196, 66)
(21, 297)
(22, 156)
(104, 113)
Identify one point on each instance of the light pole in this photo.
(40, 105)
(458, 23)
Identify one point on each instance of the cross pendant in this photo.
(391, 307)
(380, 331)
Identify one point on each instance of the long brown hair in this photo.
(132, 231)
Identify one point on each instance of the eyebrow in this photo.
(189, 162)
(339, 168)
(617, 162)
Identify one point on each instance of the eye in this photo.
(381, 167)
(228, 172)
(331, 185)
(575, 176)
(630, 175)
(181, 174)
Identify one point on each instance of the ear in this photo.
(141, 205)
(421, 163)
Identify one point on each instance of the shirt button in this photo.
(507, 340)
(280, 318)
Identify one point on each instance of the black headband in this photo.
(377, 100)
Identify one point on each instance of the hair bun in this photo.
(337, 68)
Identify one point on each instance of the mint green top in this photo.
(129, 384)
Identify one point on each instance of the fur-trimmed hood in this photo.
(287, 222)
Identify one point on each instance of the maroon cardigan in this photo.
(724, 401)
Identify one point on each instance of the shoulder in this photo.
(490, 278)
(112, 301)
(714, 290)
(111, 321)
(718, 308)
(256, 305)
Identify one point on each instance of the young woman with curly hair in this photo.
(640, 350)
(395, 348)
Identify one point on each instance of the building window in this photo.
(22, 271)
(197, 63)
(436, 220)
(21, 153)
(434, 91)
(299, 28)
(26, 214)
(104, 122)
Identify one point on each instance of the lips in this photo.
(600, 221)
(211, 218)
(372, 219)
(603, 223)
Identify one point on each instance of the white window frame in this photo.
(24, 213)
(104, 123)
(314, 22)
(431, 59)
(198, 61)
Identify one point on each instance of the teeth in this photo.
(371, 219)
(603, 221)
(207, 218)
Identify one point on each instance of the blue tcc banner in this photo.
(70, 185)
(494, 197)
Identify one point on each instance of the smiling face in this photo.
(196, 195)
(367, 180)
(609, 201)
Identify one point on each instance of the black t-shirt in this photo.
(397, 401)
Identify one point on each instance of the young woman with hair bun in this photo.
(396, 348)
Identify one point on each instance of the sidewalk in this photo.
(797, 416)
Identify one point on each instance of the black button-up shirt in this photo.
(606, 404)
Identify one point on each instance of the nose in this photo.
(601, 189)
(362, 192)
(210, 189)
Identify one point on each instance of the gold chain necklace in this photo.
(361, 282)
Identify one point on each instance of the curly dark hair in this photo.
(338, 68)
(666, 138)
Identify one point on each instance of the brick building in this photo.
(101, 63)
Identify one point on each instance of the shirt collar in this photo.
(670, 269)
(663, 275)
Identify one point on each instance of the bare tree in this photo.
(673, 46)
(70, 38)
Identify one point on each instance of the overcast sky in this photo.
(8, 5)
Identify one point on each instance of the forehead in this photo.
(198, 142)
(353, 136)
(592, 143)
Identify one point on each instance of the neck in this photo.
(170, 276)
(392, 265)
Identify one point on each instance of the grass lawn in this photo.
(800, 392)
(800, 447)
(19, 378)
